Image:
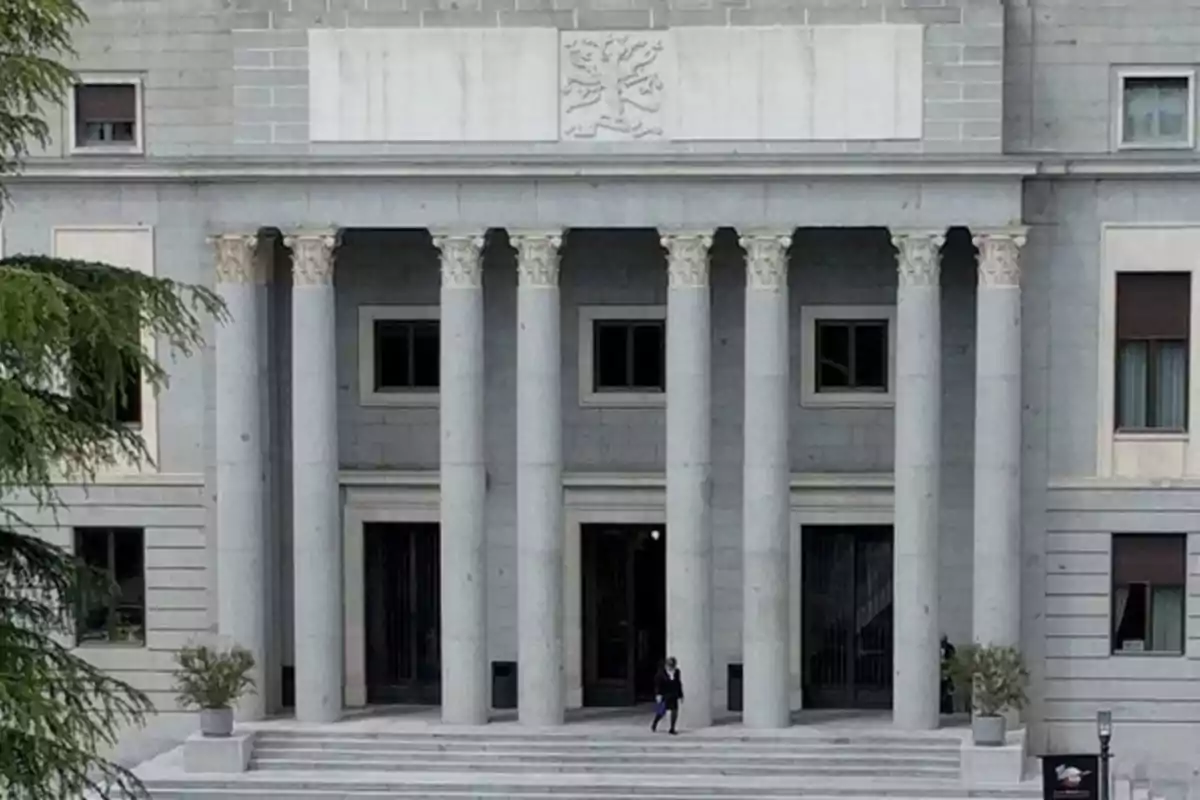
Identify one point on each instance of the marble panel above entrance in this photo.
(790, 83)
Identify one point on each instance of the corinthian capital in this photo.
(238, 259)
(537, 258)
(918, 257)
(312, 257)
(687, 259)
(462, 260)
(1000, 256)
(766, 260)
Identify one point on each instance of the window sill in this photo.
(848, 400)
(1126, 147)
(1150, 436)
(623, 400)
(401, 399)
(110, 646)
(1148, 654)
(107, 150)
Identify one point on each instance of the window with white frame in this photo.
(1153, 326)
(848, 353)
(1149, 592)
(1157, 109)
(399, 353)
(622, 355)
(106, 114)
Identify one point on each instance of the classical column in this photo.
(542, 688)
(689, 469)
(765, 484)
(997, 579)
(316, 517)
(918, 376)
(243, 600)
(465, 698)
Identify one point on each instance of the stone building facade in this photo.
(918, 276)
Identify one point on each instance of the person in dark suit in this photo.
(668, 694)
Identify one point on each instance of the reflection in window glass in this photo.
(1156, 110)
(113, 608)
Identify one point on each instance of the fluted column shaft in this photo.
(918, 375)
(242, 549)
(463, 483)
(766, 471)
(316, 517)
(542, 687)
(997, 578)
(689, 469)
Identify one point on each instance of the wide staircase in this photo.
(327, 764)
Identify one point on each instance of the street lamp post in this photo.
(1104, 730)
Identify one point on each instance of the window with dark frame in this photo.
(629, 355)
(407, 355)
(106, 114)
(113, 608)
(1153, 330)
(1149, 591)
(123, 404)
(851, 356)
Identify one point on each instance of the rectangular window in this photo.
(114, 613)
(125, 405)
(851, 356)
(106, 115)
(629, 355)
(1149, 593)
(1156, 110)
(1153, 330)
(407, 355)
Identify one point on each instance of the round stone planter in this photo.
(216, 722)
(988, 731)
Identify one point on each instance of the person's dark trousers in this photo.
(659, 713)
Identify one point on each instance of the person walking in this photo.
(668, 694)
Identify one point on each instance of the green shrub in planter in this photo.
(212, 680)
(993, 679)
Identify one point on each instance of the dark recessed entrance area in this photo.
(847, 616)
(624, 612)
(403, 613)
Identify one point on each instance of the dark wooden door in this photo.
(847, 616)
(624, 612)
(403, 613)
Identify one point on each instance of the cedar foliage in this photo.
(69, 332)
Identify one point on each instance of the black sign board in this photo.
(1071, 777)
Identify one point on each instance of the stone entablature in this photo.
(783, 83)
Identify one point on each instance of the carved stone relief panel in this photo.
(614, 85)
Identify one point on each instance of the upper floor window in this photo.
(1149, 592)
(851, 355)
(847, 355)
(623, 355)
(399, 355)
(1153, 325)
(107, 115)
(113, 614)
(124, 404)
(1157, 110)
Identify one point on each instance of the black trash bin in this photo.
(734, 692)
(504, 684)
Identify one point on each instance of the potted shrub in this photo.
(994, 678)
(212, 680)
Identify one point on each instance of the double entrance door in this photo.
(624, 612)
(403, 612)
(846, 600)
